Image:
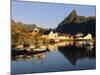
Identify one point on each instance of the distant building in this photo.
(52, 35)
(79, 34)
(62, 38)
(35, 31)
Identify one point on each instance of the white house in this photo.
(52, 35)
(88, 37)
(36, 30)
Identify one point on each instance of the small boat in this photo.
(35, 52)
(43, 47)
(39, 49)
(22, 52)
(32, 46)
(28, 49)
(18, 52)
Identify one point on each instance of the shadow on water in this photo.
(74, 53)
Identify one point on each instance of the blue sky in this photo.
(46, 15)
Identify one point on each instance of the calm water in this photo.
(58, 57)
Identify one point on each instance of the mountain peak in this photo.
(73, 13)
(73, 24)
(72, 17)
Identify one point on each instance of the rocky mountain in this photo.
(73, 24)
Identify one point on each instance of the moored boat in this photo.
(39, 49)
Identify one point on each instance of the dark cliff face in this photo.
(73, 24)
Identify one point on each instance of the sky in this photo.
(46, 15)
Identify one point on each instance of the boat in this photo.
(18, 52)
(32, 46)
(43, 47)
(36, 52)
(25, 51)
(28, 49)
(39, 49)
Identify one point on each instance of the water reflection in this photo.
(63, 56)
(39, 56)
(72, 51)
